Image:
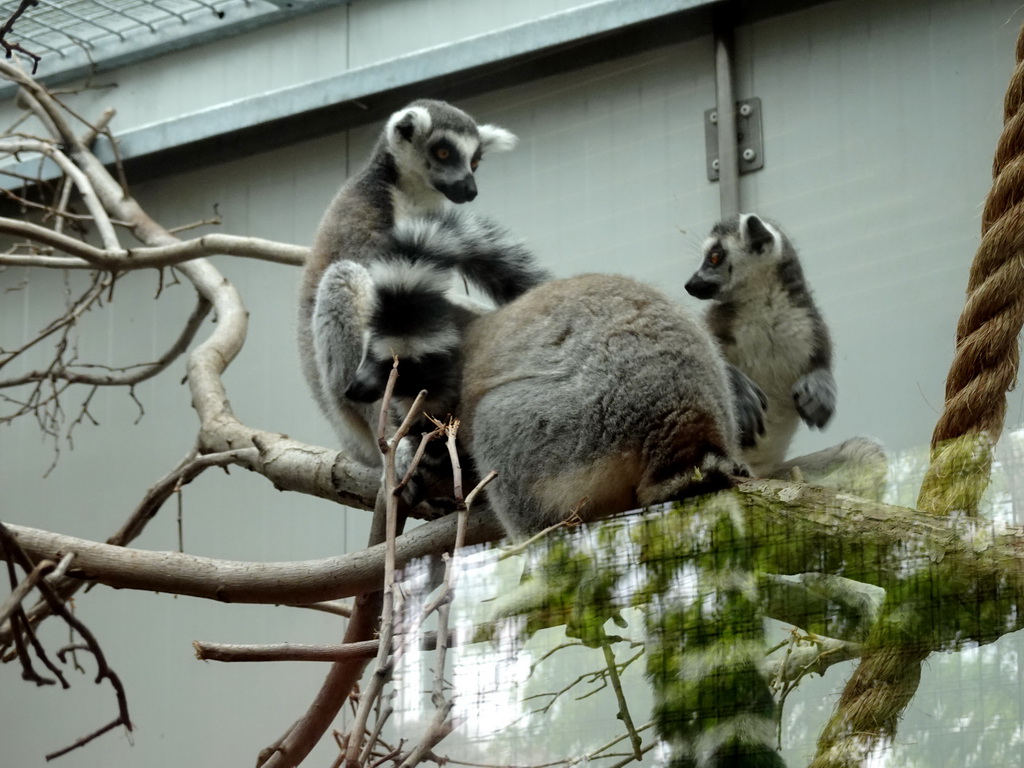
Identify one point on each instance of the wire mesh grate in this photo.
(63, 27)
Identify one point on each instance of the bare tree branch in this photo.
(307, 581)
(288, 464)
(125, 259)
(291, 748)
(285, 652)
(785, 510)
(85, 188)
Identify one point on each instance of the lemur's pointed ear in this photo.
(495, 139)
(758, 235)
(406, 123)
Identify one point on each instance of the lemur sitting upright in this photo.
(396, 207)
(769, 327)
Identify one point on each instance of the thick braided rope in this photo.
(984, 368)
(987, 357)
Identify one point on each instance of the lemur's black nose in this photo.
(700, 288)
(461, 191)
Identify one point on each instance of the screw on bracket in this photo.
(748, 137)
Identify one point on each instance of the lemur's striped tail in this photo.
(484, 253)
(414, 316)
(713, 707)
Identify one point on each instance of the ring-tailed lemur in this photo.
(424, 160)
(768, 326)
(597, 394)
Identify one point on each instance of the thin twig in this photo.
(383, 716)
(22, 589)
(23, 6)
(443, 723)
(385, 404)
(620, 696)
(525, 545)
(385, 662)
(439, 728)
(123, 376)
(451, 430)
(187, 470)
(103, 671)
(425, 439)
(335, 607)
(19, 623)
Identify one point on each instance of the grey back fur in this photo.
(596, 394)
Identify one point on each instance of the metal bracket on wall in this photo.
(748, 137)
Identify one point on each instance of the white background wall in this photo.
(880, 120)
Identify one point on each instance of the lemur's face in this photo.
(734, 249)
(451, 160)
(443, 146)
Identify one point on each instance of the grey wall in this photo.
(880, 120)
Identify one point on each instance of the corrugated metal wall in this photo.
(879, 119)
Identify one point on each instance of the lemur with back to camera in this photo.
(769, 327)
(391, 237)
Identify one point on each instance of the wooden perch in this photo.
(794, 528)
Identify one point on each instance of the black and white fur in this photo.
(424, 160)
(413, 316)
(595, 394)
(413, 313)
(768, 326)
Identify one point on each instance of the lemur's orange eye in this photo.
(474, 163)
(714, 258)
(442, 153)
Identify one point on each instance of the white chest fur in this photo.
(415, 198)
(772, 341)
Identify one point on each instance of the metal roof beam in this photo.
(120, 48)
(560, 42)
